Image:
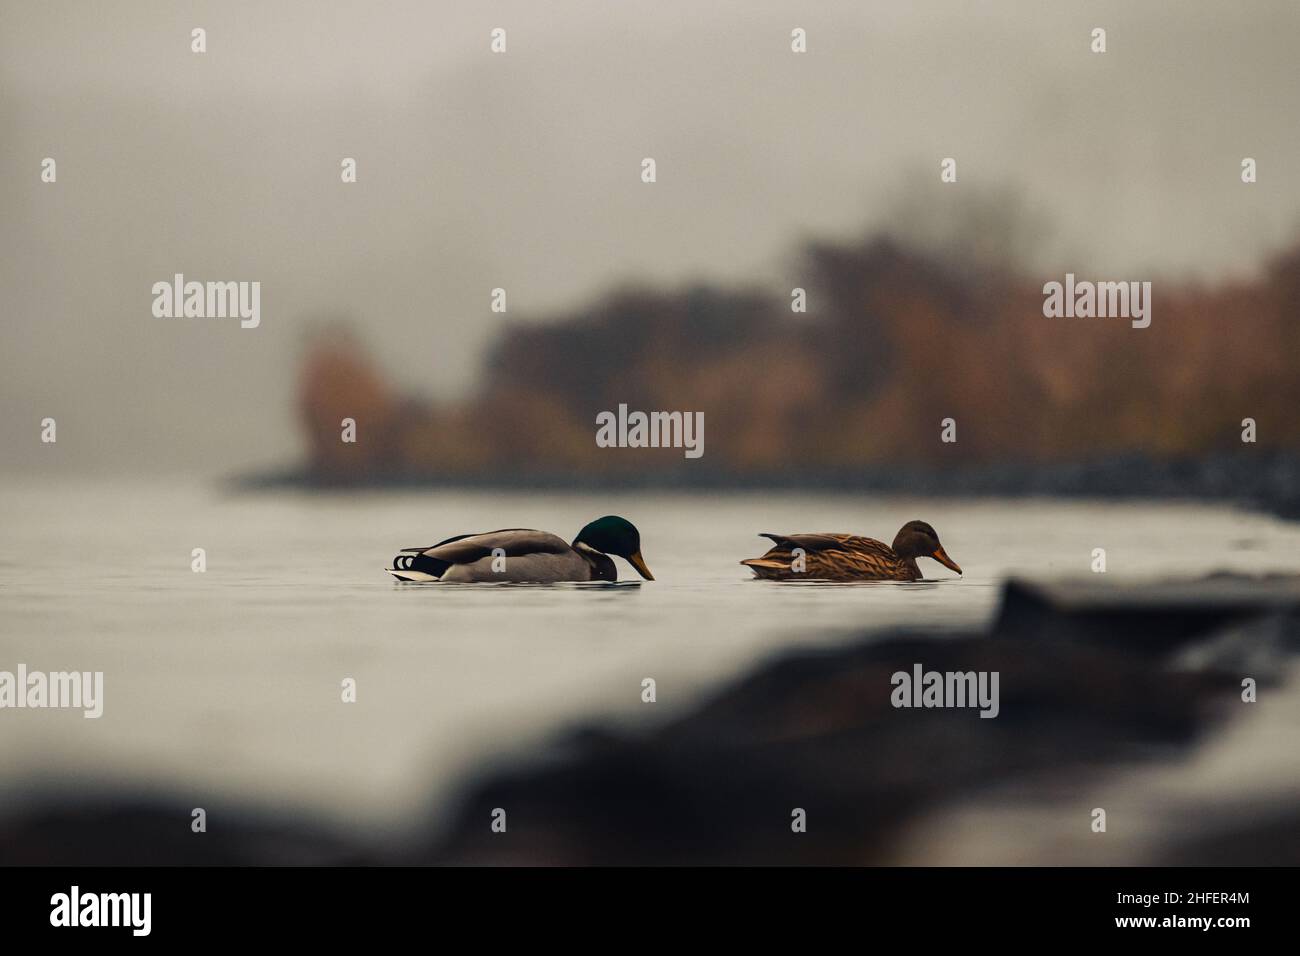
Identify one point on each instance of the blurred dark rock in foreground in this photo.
(1108, 696)
(73, 829)
(1094, 679)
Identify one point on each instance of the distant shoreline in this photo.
(1265, 480)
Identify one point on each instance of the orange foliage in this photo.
(894, 342)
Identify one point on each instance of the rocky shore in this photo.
(1173, 708)
(1096, 682)
(1264, 480)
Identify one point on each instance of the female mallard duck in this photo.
(847, 557)
(523, 555)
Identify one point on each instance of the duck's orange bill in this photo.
(638, 562)
(941, 556)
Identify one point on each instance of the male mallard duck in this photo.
(524, 555)
(848, 557)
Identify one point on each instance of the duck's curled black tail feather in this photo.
(406, 561)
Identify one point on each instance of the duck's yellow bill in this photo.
(638, 562)
(941, 556)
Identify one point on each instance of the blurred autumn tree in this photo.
(895, 340)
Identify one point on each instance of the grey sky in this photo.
(522, 171)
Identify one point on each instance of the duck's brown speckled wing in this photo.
(832, 557)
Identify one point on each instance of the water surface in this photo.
(227, 683)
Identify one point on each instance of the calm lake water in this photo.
(227, 683)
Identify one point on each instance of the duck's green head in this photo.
(618, 536)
